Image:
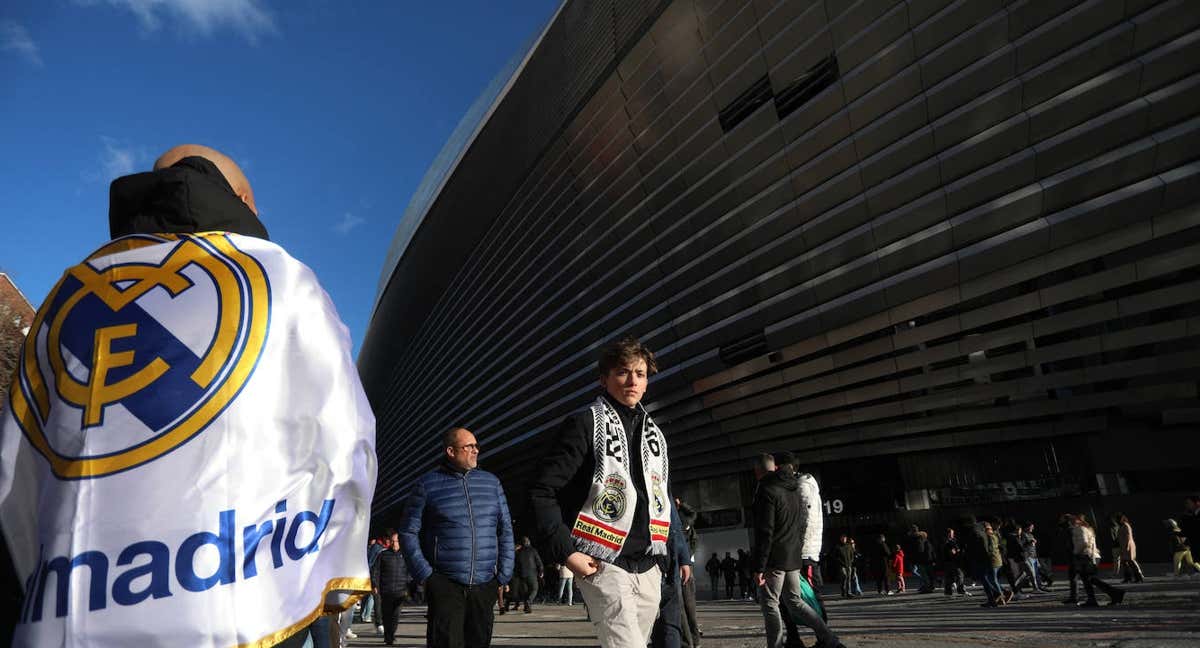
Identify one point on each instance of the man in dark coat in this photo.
(952, 564)
(389, 577)
(780, 517)
(529, 569)
(713, 567)
(881, 553)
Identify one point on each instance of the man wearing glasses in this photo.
(456, 534)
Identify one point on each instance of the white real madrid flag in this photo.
(187, 457)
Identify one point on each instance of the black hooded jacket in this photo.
(778, 523)
(190, 196)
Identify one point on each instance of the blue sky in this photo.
(334, 109)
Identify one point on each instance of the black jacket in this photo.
(529, 564)
(389, 574)
(565, 476)
(973, 542)
(881, 553)
(845, 555)
(778, 523)
(952, 552)
(190, 196)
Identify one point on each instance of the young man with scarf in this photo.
(601, 501)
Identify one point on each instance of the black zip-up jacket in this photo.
(565, 476)
(389, 574)
(778, 523)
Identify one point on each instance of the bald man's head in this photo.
(228, 168)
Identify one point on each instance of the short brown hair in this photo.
(623, 352)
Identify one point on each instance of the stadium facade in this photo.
(947, 252)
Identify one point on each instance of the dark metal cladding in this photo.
(946, 252)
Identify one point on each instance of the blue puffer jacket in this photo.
(458, 525)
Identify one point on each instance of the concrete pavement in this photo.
(1162, 612)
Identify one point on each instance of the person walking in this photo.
(371, 603)
(845, 560)
(925, 554)
(857, 567)
(952, 565)
(670, 628)
(1114, 528)
(390, 578)
(1181, 551)
(601, 500)
(1032, 564)
(713, 569)
(780, 517)
(527, 572)
(896, 571)
(745, 573)
(691, 624)
(1083, 542)
(1064, 553)
(881, 556)
(995, 557)
(566, 585)
(1132, 571)
(729, 569)
(456, 533)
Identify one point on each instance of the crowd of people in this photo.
(604, 523)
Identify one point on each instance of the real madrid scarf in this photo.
(603, 524)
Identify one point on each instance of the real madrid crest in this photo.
(138, 349)
(658, 495)
(610, 504)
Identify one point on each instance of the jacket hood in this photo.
(787, 481)
(190, 196)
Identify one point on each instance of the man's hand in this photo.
(582, 565)
(685, 574)
(759, 579)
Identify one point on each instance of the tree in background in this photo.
(16, 315)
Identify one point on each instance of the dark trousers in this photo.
(667, 631)
(881, 576)
(716, 586)
(460, 616)
(690, 625)
(1087, 573)
(389, 614)
(528, 590)
(730, 581)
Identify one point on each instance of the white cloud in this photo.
(248, 17)
(116, 159)
(15, 38)
(349, 221)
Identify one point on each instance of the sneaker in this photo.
(1117, 597)
(350, 634)
(966, 593)
(378, 631)
(1090, 603)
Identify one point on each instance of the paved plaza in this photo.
(1163, 611)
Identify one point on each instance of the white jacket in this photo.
(814, 523)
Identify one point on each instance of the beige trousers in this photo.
(622, 605)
